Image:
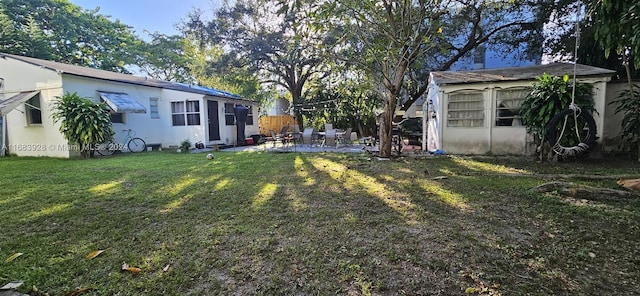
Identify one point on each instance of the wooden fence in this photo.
(275, 123)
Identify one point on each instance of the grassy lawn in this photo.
(314, 224)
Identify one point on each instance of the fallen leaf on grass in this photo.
(126, 267)
(79, 291)
(13, 257)
(94, 254)
(470, 290)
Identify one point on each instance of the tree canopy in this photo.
(616, 24)
(269, 39)
(61, 31)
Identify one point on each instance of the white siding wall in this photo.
(612, 121)
(32, 140)
(505, 140)
(146, 128)
(174, 135)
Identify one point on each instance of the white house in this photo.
(475, 112)
(162, 113)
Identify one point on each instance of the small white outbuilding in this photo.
(476, 112)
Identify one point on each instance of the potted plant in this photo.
(185, 146)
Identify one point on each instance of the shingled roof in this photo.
(517, 73)
(120, 77)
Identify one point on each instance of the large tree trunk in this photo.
(385, 120)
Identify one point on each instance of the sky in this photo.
(151, 15)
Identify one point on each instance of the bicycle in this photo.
(129, 142)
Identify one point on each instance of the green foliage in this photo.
(165, 58)
(548, 96)
(617, 23)
(82, 122)
(344, 103)
(207, 69)
(61, 31)
(185, 145)
(8, 34)
(266, 41)
(628, 102)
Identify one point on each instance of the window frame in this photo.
(33, 106)
(229, 114)
(191, 110)
(249, 114)
(470, 120)
(508, 120)
(154, 112)
(180, 116)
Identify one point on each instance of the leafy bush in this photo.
(549, 96)
(82, 122)
(185, 145)
(628, 102)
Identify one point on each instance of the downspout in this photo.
(425, 115)
(3, 149)
(491, 120)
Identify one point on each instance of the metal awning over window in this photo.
(122, 102)
(9, 104)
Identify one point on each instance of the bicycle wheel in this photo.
(136, 145)
(106, 149)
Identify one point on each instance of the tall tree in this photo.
(35, 42)
(616, 24)
(67, 33)
(165, 58)
(271, 39)
(471, 27)
(386, 37)
(237, 80)
(8, 34)
(401, 41)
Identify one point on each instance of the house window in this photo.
(250, 115)
(193, 113)
(177, 113)
(508, 103)
(465, 110)
(116, 117)
(229, 114)
(153, 108)
(479, 56)
(33, 111)
(185, 113)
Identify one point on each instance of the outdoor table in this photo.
(339, 135)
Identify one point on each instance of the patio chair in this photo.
(330, 138)
(283, 139)
(296, 134)
(328, 126)
(308, 137)
(283, 131)
(346, 137)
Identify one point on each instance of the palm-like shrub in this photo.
(82, 122)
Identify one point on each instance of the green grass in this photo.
(314, 224)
